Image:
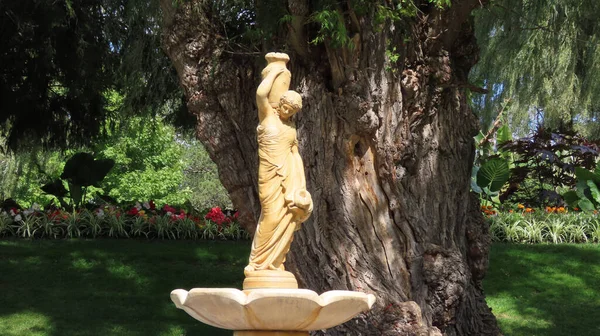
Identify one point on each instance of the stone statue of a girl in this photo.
(285, 202)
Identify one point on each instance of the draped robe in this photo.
(280, 174)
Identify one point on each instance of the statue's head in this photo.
(289, 104)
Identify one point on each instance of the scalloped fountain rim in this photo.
(271, 309)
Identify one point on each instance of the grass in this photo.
(545, 290)
(121, 287)
(109, 287)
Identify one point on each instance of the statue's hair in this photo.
(291, 98)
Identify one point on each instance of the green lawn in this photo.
(110, 287)
(121, 287)
(549, 290)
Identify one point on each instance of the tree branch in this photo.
(535, 26)
(299, 10)
(495, 127)
(475, 88)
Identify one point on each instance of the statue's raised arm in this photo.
(262, 93)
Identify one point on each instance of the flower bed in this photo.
(142, 220)
(550, 225)
(145, 220)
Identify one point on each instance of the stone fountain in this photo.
(270, 303)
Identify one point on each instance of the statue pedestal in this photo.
(269, 279)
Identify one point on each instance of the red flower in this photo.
(168, 208)
(57, 215)
(133, 211)
(152, 205)
(216, 215)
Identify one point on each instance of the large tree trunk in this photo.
(387, 148)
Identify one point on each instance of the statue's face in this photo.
(286, 111)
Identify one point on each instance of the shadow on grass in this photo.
(551, 290)
(110, 287)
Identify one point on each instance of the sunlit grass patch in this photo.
(25, 323)
(516, 321)
(543, 290)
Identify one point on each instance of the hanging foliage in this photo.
(544, 56)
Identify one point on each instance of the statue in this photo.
(285, 202)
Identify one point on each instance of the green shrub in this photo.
(544, 227)
(6, 224)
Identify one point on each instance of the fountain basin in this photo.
(271, 309)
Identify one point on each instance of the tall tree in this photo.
(386, 137)
(55, 65)
(60, 59)
(544, 56)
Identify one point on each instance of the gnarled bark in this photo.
(387, 149)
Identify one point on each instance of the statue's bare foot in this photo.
(248, 269)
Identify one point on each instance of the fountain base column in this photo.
(269, 333)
